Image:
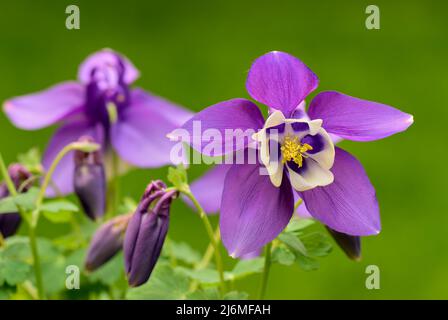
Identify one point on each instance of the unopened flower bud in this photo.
(90, 181)
(146, 233)
(10, 222)
(107, 242)
(351, 245)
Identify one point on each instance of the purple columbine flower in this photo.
(107, 242)
(90, 181)
(146, 233)
(10, 222)
(297, 150)
(101, 104)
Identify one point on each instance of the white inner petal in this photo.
(317, 170)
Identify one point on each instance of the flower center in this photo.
(293, 150)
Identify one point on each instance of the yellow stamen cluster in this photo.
(293, 150)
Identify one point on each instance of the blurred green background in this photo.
(197, 53)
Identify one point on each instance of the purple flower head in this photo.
(101, 104)
(107, 242)
(90, 181)
(296, 150)
(10, 222)
(146, 233)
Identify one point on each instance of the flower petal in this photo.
(355, 119)
(349, 204)
(253, 211)
(280, 81)
(44, 108)
(139, 135)
(208, 189)
(69, 132)
(237, 114)
(309, 176)
(104, 58)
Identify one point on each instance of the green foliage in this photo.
(183, 252)
(299, 245)
(178, 177)
(59, 211)
(166, 283)
(25, 201)
(31, 160)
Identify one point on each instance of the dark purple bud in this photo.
(146, 233)
(90, 181)
(107, 242)
(10, 222)
(351, 245)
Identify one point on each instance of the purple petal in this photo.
(228, 115)
(355, 119)
(280, 81)
(69, 132)
(44, 108)
(253, 210)
(349, 204)
(140, 134)
(103, 59)
(208, 189)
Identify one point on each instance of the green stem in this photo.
(36, 263)
(209, 252)
(11, 188)
(36, 212)
(267, 268)
(114, 187)
(210, 233)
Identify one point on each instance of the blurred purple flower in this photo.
(102, 105)
(146, 233)
(107, 242)
(10, 222)
(90, 181)
(297, 150)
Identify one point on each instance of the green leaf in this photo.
(31, 160)
(307, 263)
(164, 284)
(27, 200)
(56, 206)
(293, 242)
(183, 252)
(296, 225)
(317, 244)
(13, 272)
(128, 205)
(17, 248)
(245, 268)
(59, 211)
(205, 294)
(58, 217)
(111, 272)
(204, 276)
(283, 256)
(7, 205)
(236, 295)
(53, 274)
(178, 177)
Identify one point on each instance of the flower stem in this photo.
(209, 252)
(267, 268)
(113, 187)
(36, 263)
(11, 188)
(214, 243)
